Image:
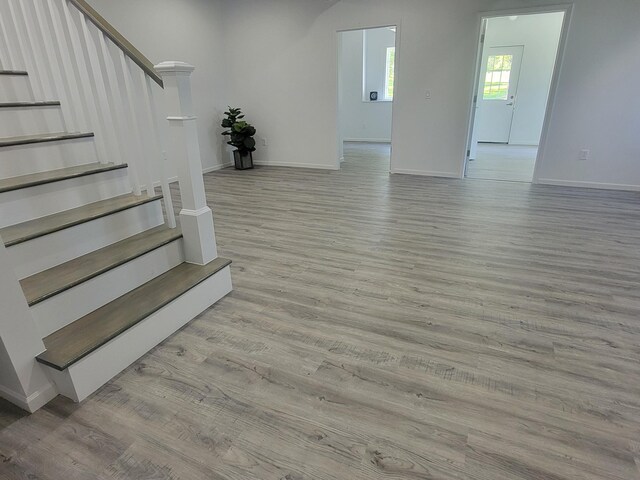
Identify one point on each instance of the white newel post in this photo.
(183, 148)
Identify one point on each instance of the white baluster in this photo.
(104, 109)
(135, 129)
(7, 56)
(61, 84)
(159, 151)
(42, 62)
(146, 137)
(70, 75)
(118, 102)
(196, 218)
(26, 48)
(84, 83)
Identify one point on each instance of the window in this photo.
(496, 84)
(390, 73)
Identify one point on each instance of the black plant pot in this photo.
(243, 162)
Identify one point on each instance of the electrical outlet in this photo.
(427, 95)
(264, 142)
(585, 154)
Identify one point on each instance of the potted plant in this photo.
(240, 135)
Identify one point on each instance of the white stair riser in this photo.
(15, 88)
(17, 121)
(42, 157)
(87, 375)
(45, 252)
(29, 203)
(66, 307)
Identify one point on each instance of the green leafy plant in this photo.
(240, 132)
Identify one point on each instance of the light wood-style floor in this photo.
(514, 163)
(381, 327)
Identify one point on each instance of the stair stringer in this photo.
(22, 380)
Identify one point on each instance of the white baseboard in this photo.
(594, 185)
(215, 168)
(424, 173)
(367, 140)
(297, 165)
(33, 402)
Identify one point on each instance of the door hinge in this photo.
(468, 153)
(475, 99)
(482, 38)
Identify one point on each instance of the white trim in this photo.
(33, 402)
(215, 168)
(596, 185)
(195, 213)
(319, 166)
(174, 179)
(424, 173)
(367, 140)
(189, 118)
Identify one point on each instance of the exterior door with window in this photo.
(498, 93)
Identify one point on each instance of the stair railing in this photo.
(105, 85)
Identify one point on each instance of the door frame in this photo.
(398, 25)
(567, 9)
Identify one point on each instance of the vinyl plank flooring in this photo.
(381, 326)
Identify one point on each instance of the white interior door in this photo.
(498, 93)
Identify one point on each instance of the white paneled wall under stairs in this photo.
(95, 269)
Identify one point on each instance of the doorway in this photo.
(515, 73)
(366, 90)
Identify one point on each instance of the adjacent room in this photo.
(518, 59)
(366, 78)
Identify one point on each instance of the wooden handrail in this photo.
(116, 37)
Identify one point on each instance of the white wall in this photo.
(376, 42)
(540, 35)
(361, 119)
(291, 45)
(283, 71)
(598, 104)
(188, 31)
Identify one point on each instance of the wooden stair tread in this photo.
(41, 178)
(22, 232)
(46, 284)
(28, 104)
(13, 72)
(41, 138)
(78, 339)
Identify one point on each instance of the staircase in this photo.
(105, 270)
